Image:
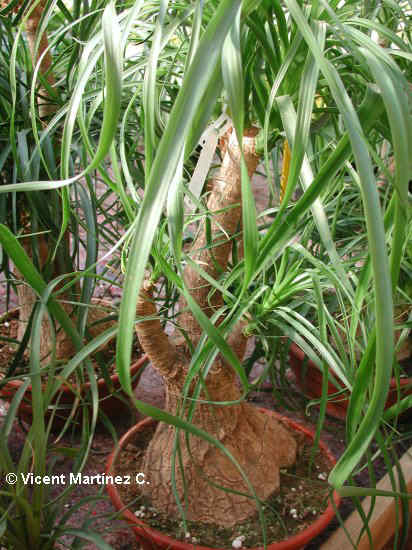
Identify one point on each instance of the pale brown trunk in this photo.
(27, 300)
(26, 297)
(260, 444)
(46, 107)
(64, 346)
(256, 441)
(224, 204)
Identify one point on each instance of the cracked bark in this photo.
(260, 444)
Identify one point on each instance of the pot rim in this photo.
(101, 382)
(292, 543)
(298, 352)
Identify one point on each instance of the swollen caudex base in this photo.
(256, 441)
(259, 443)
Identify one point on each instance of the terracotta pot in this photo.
(108, 402)
(150, 539)
(309, 380)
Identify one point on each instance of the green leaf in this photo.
(89, 536)
(377, 247)
(33, 278)
(113, 75)
(288, 115)
(149, 90)
(233, 76)
(175, 212)
(233, 82)
(163, 171)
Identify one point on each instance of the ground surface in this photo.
(150, 390)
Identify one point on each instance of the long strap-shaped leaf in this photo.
(113, 75)
(398, 115)
(149, 89)
(32, 277)
(306, 176)
(369, 112)
(233, 79)
(163, 170)
(378, 253)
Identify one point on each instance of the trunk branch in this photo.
(237, 340)
(225, 208)
(258, 442)
(154, 341)
(26, 297)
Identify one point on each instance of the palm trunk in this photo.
(46, 107)
(26, 297)
(260, 444)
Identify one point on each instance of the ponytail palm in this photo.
(310, 75)
(33, 516)
(43, 145)
(299, 56)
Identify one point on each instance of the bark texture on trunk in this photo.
(224, 206)
(27, 300)
(260, 444)
(26, 297)
(46, 107)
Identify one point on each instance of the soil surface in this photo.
(301, 500)
(151, 390)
